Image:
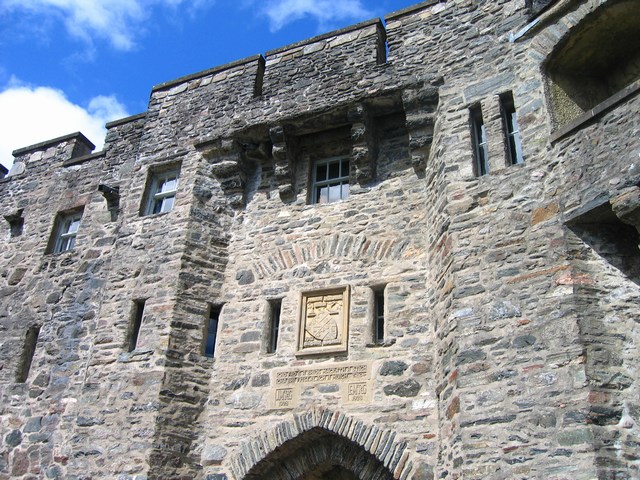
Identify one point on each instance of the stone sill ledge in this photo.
(612, 101)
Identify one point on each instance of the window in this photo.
(274, 325)
(479, 138)
(378, 316)
(136, 323)
(29, 349)
(511, 130)
(211, 333)
(65, 232)
(162, 191)
(330, 180)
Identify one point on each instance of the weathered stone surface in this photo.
(394, 367)
(510, 301)
(213, 454)
(408, 388)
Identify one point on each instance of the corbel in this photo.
(283, 151)
(364, 147)
(420, 104)
(16, 222)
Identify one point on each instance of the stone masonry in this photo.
(433, 322)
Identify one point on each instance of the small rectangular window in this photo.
(479, 137)
(378, 316)
(65, 231)
(161, 191)
(211, 333)
(511, 130)
(136, 323)
(275, 307)
(330, 180)
(28, 350)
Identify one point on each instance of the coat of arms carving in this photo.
(324, 321)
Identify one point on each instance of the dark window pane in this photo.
(334, 170)
(321, 172)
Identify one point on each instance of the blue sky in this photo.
(69, 65)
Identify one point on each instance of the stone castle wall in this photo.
(510, 299)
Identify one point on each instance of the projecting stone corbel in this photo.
(626, 206)
(112, 196)
(16, 222)
(226, 167)
(420, 104)
(363, 150)
(284, 146)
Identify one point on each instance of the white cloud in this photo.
(30, 115)
(117, 21)
(282, 12)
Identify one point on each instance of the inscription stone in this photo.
(354, 380)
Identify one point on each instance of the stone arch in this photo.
(322, 442)
(339, 245)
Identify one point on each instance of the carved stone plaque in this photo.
(323, 325)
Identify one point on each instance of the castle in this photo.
(407, 249)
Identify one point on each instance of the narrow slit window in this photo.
(274, 325)
(378, 316)
(479, 136)
(211, 333)
(28, 350)
(511, 129)
(136, 323)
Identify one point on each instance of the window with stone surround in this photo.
(511, 129)
(162, 186)
(211, 331)
(28, 350)
(275, 306)
(65, 231)
(479, 140)
(330, 180)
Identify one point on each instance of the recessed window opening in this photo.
(330, 180)
(275, 306)
(511, 129)
(378, 316)
(599, 57)
(136, 322)
(162, 191)
(479, 138)
(211, 333)
(65, 231)
(28, 350)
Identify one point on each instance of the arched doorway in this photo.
(319, 454)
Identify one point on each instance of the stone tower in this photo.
(403, 250)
